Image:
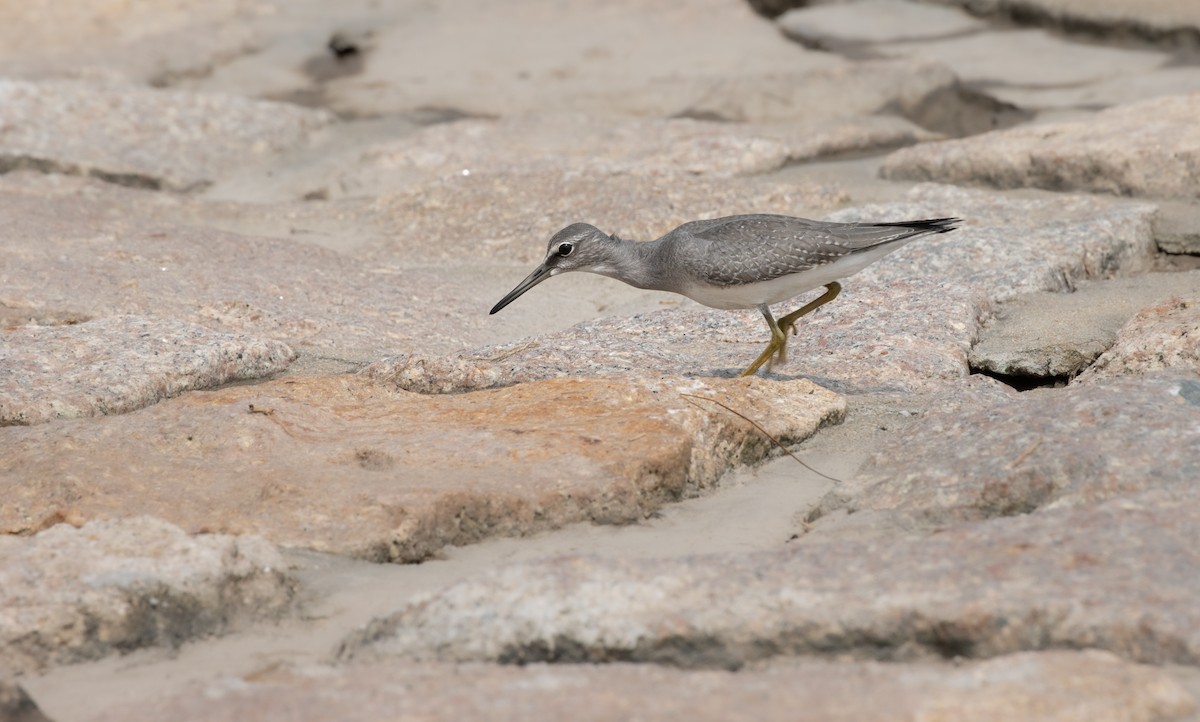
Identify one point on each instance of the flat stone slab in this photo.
(1054, 335)
(345, 465)
(500, 215)
(591, 145)
(140, 136)
(118, 364)
(905, 323)
(1113, 576)
(71, 594)
(1156, 20)
(904, 336)
(875, 21)
(1120, 150)
(1165, 336)
(153, 42)
(85, 253)
(1057, 686)
(1048, 449)
(17, 706)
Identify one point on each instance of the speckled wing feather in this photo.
(743, 249)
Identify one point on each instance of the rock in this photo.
(1172, 21)
(1165, 336)
(904, 323)
(499, 215)
(1178, 228)
(874, 21)
(151, 42)
(1027, 58)
(1110, 576)
(1050, 449)
(1057, 335)
(16, 705)
(140, 136)
(80, 255)
(1008, 245)
(560, 58)
(575, 144)
(904, 336)
(1049, 686)
(118, 364)
(341, 464)
(113, 586)
(1118, 151)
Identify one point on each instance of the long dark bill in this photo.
(541, 273)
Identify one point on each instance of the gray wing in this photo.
(743, 249)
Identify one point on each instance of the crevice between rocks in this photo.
(11, 163)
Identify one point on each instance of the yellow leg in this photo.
(779, 331)
(778, 340)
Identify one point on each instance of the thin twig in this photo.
(762, 431)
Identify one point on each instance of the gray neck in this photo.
(637, 264)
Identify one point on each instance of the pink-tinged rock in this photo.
(502, 215)
(72, 594)
(1115, 576)
(1047, 449)
(1122, 150)
(1051, 686)
(1164, 336)
(906, 336)
(616, 147)
(118, 364)
(140, 136)
(345, 465)
(85, 253)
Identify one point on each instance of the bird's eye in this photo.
(565, 249)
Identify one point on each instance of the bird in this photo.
(735, 262)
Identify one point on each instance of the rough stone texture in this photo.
(1121, 150)
(1057, 686)
(1060, 334)
(345, 465)
(17, 706)
(118, 364)
(67, 253)
(1169, 20)
(908, 335)
(904, 323)
(1114, 576)
(1049, 449)
(575, 144)
(493, 215)
(1008, 245)
(73, 594)
(140, 136)
(1165, 336)
(1178, 228)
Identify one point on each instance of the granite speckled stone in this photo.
(1085, 686)
(70, 594)
(905, 336)
(1120, 150)
(1115, 576)
(575, 144)
(1047, 449)
(1165, 336)
(341, 464)
(140, 136)
(121, 363)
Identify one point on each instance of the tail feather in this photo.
(932, 225)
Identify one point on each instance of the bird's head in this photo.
(578, 247)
